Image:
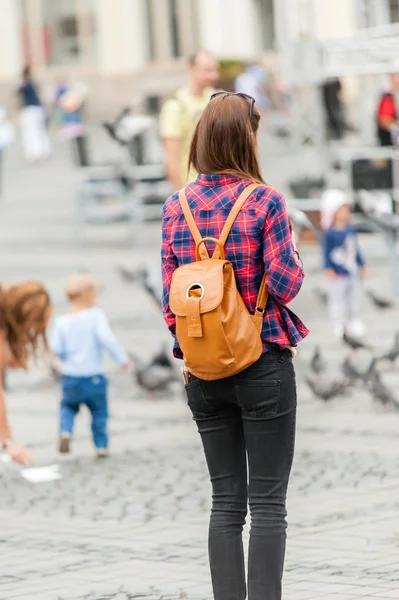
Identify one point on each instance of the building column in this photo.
(229, 32)
(162, 34)
(335, 19)
(121, 36)
(84, 18)
(10, 41)
(34, 16)
(186, 27)
(285, 36)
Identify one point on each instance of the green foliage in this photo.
(230, 69)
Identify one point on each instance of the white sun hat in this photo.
(331, 201)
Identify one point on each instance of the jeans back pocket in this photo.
(196, 399)
(258, 399)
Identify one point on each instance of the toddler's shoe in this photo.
(65, 443)
(102, 453)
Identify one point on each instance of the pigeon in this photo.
(142, 277)
(153, 379)
(380, 303)
(393, 354)
(321, 294)
(318, 363)
(163, 360)
(371, 373)
(148, 286)
(354, 343)
(155, 376)
(128, 275)
(326, 390)
(110, 129)
(351, 373)
(380, 391)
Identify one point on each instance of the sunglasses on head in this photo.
(247, 98)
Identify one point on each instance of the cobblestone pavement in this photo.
(135, 526)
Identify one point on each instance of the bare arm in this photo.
(387, 122)
(172, 147)
(17, 453)
(5, 432)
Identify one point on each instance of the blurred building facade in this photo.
(99, 38)
(141, 44)
(121, 47)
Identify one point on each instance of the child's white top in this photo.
(78, 339)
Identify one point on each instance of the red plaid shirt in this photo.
(259, 241)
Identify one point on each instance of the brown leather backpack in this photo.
(216, 333)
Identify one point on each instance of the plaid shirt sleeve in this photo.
(284, 270)
(169, 265)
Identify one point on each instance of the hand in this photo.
(19, 454)
(331, 274)
(125, 365)
(364, 272)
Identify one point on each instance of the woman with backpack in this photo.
(228, 314)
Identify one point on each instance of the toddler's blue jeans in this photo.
(91, 391)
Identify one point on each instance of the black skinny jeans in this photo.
(248, 416)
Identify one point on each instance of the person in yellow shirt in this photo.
(181, 113)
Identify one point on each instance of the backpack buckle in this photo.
(195, 285)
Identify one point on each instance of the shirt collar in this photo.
(216, 180)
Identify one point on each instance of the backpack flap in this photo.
(196, 288)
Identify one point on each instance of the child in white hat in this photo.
(343, 263)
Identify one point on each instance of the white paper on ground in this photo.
(41, 474)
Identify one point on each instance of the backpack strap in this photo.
(239, 203)
(192, 225)
(261, 300)
(263, 291)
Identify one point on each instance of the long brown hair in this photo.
(224, 141)
(25, 310)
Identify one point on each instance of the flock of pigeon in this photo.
(156, 375)
(351, 376)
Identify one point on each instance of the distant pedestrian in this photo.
(78, 339)
(253, 81)
(388, 115)
(333, 106)
(35, 140)
(25, 310)
(180, 115)
(343, 262)
(69, 103)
